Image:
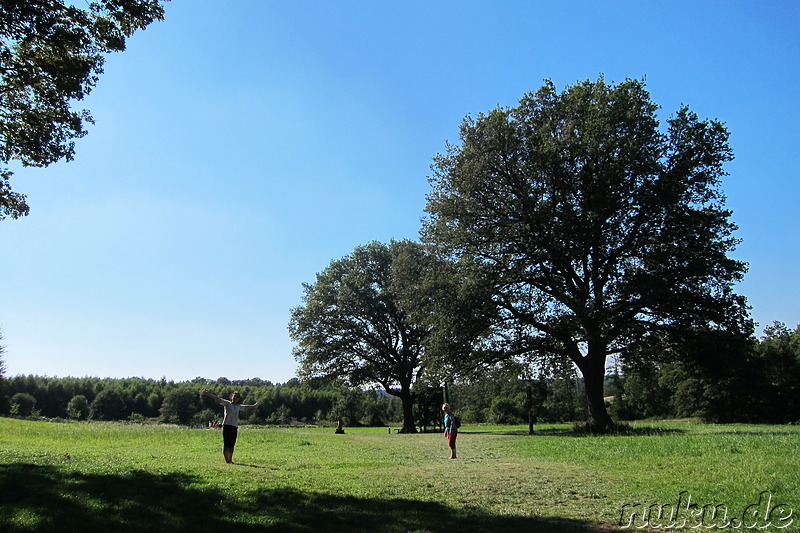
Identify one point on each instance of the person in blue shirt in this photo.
(450, 429)
(230, 422)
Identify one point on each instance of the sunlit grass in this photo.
(553, 480)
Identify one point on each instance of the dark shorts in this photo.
(229, 436)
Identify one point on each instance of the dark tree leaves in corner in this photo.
(598, 231)
(51, 54)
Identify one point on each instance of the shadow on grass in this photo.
(760, 433)
(625, 430)
(45, 498)
(578, 432)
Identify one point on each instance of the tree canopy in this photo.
(51, 54)
(597, 230)
(360, 320)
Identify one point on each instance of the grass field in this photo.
(118, 477)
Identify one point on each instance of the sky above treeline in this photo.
(240, 147)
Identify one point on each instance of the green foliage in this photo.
(506, 410)
(596, 231)
(180, 407)
(108, 405)
(778, 354)
(51, 54)
(347, 406)
(353, 324)
(565, 400)
(5, 407)
(647, 391)
(721, 377)
(363, 320)
(146, 397)
(500, 397)
(78, 407)
(22, 404)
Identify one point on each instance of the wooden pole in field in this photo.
(529, 405)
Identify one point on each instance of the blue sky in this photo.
(241, 146)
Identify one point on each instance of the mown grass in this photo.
(117, 477)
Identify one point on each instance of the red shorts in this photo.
(451, 438)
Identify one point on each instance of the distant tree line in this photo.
(139, 400)
(759, 383)
(754, 381)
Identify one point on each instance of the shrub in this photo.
(78, 407)
(22, 404)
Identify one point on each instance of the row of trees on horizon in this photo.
(764, 388)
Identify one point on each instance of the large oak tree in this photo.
(51, 55)
(597, 229)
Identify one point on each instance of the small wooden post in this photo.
(529, 405)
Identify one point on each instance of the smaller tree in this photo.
(78, 407)
(359, 322)
(506, 410)
(282, 415)
(108, 405)
(22, 404)
(179, 407)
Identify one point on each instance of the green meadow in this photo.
(81, 476)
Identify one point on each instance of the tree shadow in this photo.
(260, 467)
(759, 432)
(307, 511)
(577, 432)
(625, 430)
(471, 431)
(45, 498)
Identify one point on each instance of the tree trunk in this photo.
(594, 373)
(407, 399)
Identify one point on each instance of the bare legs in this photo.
(451, 441)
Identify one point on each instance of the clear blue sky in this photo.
(242, 146)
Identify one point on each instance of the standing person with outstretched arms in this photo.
(230, 422)
(450, 428)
